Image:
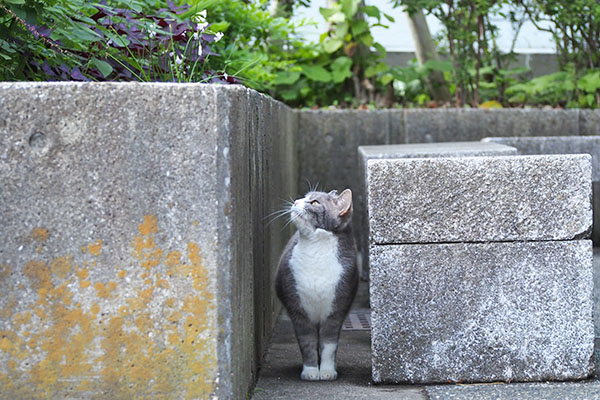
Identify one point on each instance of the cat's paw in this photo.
(309, 373)
(328, 374)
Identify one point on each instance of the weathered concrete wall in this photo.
(131, 250)
(327, 140)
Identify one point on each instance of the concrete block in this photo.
(479, 199)
(555, 145)
(420, 150)
(449, 125)
(126, 267)
(589, 122)
(482, 312)
(563, 145)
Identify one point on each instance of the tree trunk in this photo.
(281, 8)
(425, 49)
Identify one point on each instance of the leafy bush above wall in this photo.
(256, 43)
(79, 40)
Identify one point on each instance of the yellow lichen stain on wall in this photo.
(62, 266)
(94, 248)
(144, 246)
(40, 234)
(4, 272)
(155, 345)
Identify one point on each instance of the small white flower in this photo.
(200, 16)
(219, 36)
(201, 26)
(178, 60)
(200, 50)
(152, 34)
(109, 42)
(171, 54)
(195, 36)
(225, 75)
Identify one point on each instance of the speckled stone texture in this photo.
(555, 145)
(563, 145)
(479, 199)
(483, 312)
(421, 150)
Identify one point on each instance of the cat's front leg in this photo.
(329, 335)
(308, 340)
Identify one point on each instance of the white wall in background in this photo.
(397, 36)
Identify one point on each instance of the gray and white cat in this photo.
(317, 278)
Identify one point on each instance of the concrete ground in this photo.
(279, 377)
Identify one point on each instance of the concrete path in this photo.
(280, 376)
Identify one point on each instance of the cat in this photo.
(317, 278)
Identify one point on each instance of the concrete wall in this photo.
(328, 140)
(134, 260)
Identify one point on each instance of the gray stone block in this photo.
(555, 145)
(482, 312)
(479, 199)
(589, 122)
(449, 125)
(420, 150)
(130, 245)
(563, 145)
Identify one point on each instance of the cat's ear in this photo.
(345, 202)
(333, 193)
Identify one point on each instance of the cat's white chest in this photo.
(317, 271)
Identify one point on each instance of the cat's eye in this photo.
(314, 202)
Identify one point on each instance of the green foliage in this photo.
(215, 40)
(575, 26)
(345, 67)
(471, 39)
(561, 89)
(116, 40)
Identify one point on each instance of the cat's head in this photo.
(320, 210)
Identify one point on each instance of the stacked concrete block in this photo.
(563, 145)
(480, 270)
(425, 150)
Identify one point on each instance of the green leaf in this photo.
(287, 77)
(288, 95)
(590, 82)
(389, 17)
(85, 34)
(439, 65)
(220, 26)
(359, 26)
(341, 69)
(366, 39)
(376, 69)
(105, 68)
(15, 1)
(349, 7)
(331, 45)
(341, 30)
(316, 73)
(380, 49)
(327, 12)
(386, 78)
(372, 11)
(333, 15)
